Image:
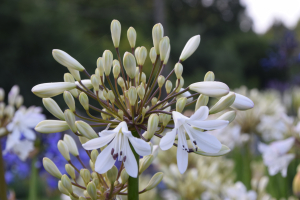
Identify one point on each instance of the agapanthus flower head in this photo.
(133, 109)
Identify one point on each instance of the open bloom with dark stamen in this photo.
(118, 147)
(200, 140)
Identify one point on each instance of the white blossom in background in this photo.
(276, 156)
(239, 192)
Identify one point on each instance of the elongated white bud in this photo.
(107, 59)
(112, 174)
(66, 60)
(129, 64)
(9, 111)
(71, 145)
(67, 183)
(2, 94)
(181, 81)
(70, 119)
(209, 76)
(210, 88)
(167, 55)
(201, 101)
(19, 101)
(75, 74)
(190, 47)
(168, 86)
(63, 149)
(115, 29)
(142, 55)
(12, 95)
(155, 180)
(131, 35)
(242, 103)
(223, 103)
(228, 116)
(100, 66)
(152, 126)
(71, 171)
(92, 191)
(132, 95)
(161, 80)
(53, 108)
(51, 168)
(85, 175)
(86, 82)
(84, 100)
(152, 55)
(69, 78)
(163, 47)
(180, 104)
(46, 90)
(145, 162)
(51, 126)
(178, 69)
(86, 130)
(116, 71)
(223, 151)
(62, 189)
(69, 100)
(157, 35)
(124, 176)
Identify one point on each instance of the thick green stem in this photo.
(2, 177)
(133, 183)
(33, 181)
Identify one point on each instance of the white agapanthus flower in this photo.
(117, 141)
(239, 192)
(200, 140)
(23, 148)
(23, 123)
(275, 155)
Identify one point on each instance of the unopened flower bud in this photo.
(124, 176)
(168, 86)
(69, 78)
(242, 103)
(62, 189)
(19, 101)
(157, 35)
(121, 114)
(9, 111)
(84, 100)
(51, 126)
(178, 70)
(66, 60)
(142, 55)
(167, 55)
(107, 59)
(95, 82)
(2, 94)
(166, 119)
(92, 191)
(143, 78)
(210, 88)
(112, 174)
(12, 95)
(85, 175)
(94, 155)
(67, 183)
(180, 104)
(121, 82)
(116, 71)
(155, 180)
(190, 47)
(129, 64)
(145, 162)
(111, 96)
(223, 151)
(223, 103)
(86, 130)
(144, 111)
(131, 35)
(105, 94)
(92, 165)
(141, 92)
(152, 126)
(115, 29)
(52, 89)
(69, 100)
(70, 119)
(71, 145)
(201, 101)
(153, 101)
(136, 53)
(104, 116)
(161, 80)
(181, 81)
(53, 108)
(132, 95)
(63, 149)
(100, 66)
(83, 139)
(152, 55)
(228, 116)
(51, 168)
(164, 47)
(209, 76)
(71, 171)
(296, 183)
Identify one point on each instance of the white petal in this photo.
(130, 163)
(12, 139)
(178, 118)
(105, 133)
(262, 147)
(105, 161)
(200, 114)
(167, 141)
(10, 126)
(205, 141)
(283, 146)
(140, 146)
(29, 134)
(209, 124)
(182, 158)
(242, 103)
(98, 142)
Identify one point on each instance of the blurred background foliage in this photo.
(238, 56)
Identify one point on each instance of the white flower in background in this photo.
(118, 147)
(205, 141)
(23, 148)
(239, 192)
(231, 136)
(23, 123)
(275, 155)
